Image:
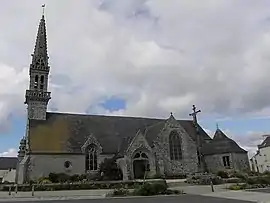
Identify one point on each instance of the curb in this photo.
(79, 197)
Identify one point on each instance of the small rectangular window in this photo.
(41, 87)
(226, 161)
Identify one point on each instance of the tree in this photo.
(110, 170)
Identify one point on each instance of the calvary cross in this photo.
(194, 114)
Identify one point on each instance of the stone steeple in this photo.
(37, 96)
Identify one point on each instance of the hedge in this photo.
(76, 186)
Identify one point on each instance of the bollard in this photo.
(33, 189)
(9, 190)
(16, 188)
(212, 186)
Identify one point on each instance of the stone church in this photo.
(77, 144)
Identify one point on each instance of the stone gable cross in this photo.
(194, 114)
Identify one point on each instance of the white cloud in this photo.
(10, 153)
(159, 56)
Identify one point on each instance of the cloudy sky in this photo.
(142, 58)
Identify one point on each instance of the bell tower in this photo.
(37, 96)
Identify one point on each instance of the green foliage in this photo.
(238, 187)
(63, 178)
(266, 173)
(253, 182)
(110, 170)
(223, 174)
(148, 189)
(204, 180)
(174, 192)
(242, 176)
(74, 186)
(44, 181)
(259, 180)
(233, 180)
(178, 176)
(120, 192)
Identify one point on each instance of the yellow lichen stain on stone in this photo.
(49, 138)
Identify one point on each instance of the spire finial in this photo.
(43, 9)
(171, 113)
(217, 126)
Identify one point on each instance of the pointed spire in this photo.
(171, 116)
(40, 55)
(217, 126)
(41, 40)
(219, 134)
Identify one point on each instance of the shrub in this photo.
(240, 175)
(74, 186)
(258, 180)
(233, 180)
(266, 173)
(223, 174)
(110, 170)
(178, 176)
(204, 179)
(174, 192)
(120, 192)
(148, 189)
(44, 181)
(238, 187)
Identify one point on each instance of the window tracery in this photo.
(175, 143)
(91, 163)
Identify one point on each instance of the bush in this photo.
(238, 187)
(179, 176)
(44, 181)
(148, 189)
(266, 173)
(258, 180)
(240, 175)
(223, 174)
(204, 180)
(120, 192)
(233, 180)
(74, 186)
(174, 192)
(110, 170)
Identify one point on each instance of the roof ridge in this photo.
(116, 116)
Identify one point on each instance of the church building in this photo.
(77, 144)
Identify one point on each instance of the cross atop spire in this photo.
(43, 9)
(217, 126)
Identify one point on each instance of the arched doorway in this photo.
(140, 165)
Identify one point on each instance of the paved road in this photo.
(175, 199)
(264, 190)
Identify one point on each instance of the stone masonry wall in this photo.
(241, 162)
(43, 165)
(139, 143)
(189, 163)
(238, 162)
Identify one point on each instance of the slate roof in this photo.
(67, 132)
(265, 143)
(221, 144)
(8, 163)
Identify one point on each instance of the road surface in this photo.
(175, 199)
(264, 190)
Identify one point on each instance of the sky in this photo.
(142, 58)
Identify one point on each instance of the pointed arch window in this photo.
(91, 158)
(36, 82)
(175, 143)
(42, 82)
